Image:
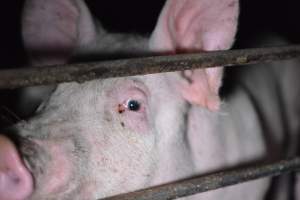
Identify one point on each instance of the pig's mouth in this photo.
(16, 180)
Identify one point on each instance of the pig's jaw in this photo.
(55, 181)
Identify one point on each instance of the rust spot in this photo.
(121, 109)
(242, 59)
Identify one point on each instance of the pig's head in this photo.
(105, 137)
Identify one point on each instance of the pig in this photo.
(104, 137)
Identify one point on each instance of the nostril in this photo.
(16, 182)
(9, 179)
(14, 178)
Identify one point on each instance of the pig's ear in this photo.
(53, 29)
(195, 26)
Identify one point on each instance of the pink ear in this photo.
(195, 26)
(52, 29)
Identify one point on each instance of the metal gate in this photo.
(14, 78)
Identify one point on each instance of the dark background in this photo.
(257, 16)
(138, 16)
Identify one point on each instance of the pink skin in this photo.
(60, 169)
(16, 182)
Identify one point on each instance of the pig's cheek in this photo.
(135, 121)
(59, 172)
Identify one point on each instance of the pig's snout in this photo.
(16, 182)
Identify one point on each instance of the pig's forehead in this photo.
(100, 87)
(71, 100)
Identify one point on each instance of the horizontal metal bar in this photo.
(13, 78)
(210, 182)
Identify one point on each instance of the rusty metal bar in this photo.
(13, 78)
(210, 182)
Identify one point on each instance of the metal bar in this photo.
(210, 182)
(13, 78)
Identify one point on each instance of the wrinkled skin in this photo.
(105, 137)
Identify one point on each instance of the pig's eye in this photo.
(133, 105)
